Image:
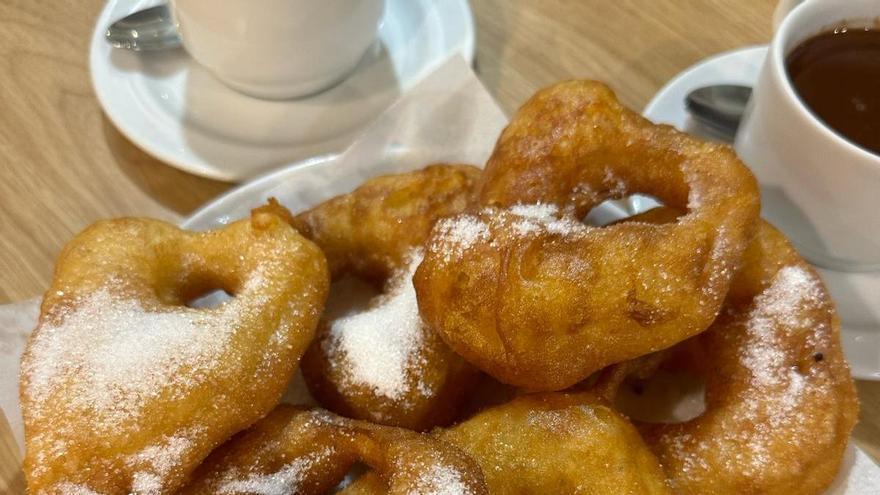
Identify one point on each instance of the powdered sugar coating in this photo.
(541, 218)
(615, 184)
(780, 309)
(281, 482)
(785, 388)
(537, 211)
(124, 354)
(440, 479)
(124, 387)
(380, 346)
(110, 357)
(720, 255)
(154, 463)
(455, 235)
(777, 389)
(556, 421)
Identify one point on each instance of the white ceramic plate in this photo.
(175, 110)
(309, 182)
(856, 294)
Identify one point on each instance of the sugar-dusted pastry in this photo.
(126, 389)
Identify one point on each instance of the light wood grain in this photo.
(636, 46)
(63, 165)
(11, 476)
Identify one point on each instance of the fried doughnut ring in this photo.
(780, 401)
(553, 443)
(526, 292)
(369, 231)
(309, 452)
(124, 389)
(383, 364)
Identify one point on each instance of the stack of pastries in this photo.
(506, 347)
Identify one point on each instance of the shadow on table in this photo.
(174, 189)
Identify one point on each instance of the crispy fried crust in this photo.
(126, 389)
(523, 290)
(553, 443)
(369, 233)
(309, 451)
(780, 401)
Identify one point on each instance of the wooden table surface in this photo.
(63, 165)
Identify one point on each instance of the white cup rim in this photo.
(779, 67)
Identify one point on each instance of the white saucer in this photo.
(175, 110)
(857, 294)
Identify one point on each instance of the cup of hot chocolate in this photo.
(811, 132)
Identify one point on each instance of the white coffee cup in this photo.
(822, 190)
(278, 48)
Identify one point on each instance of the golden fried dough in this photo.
(370, 231)
(553, 443)
(382, 363)
(780, 401)
(558, 443)
(522, 289)
(124, 388)
(309, 451)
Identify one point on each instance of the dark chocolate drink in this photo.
(837, 75)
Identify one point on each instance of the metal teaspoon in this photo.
(719, 107)
(150, 29)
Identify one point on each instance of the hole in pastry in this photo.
(210, 298)
(669, 396)
(349, 295)
(357, 470)
(616, 210)
(198, 290)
